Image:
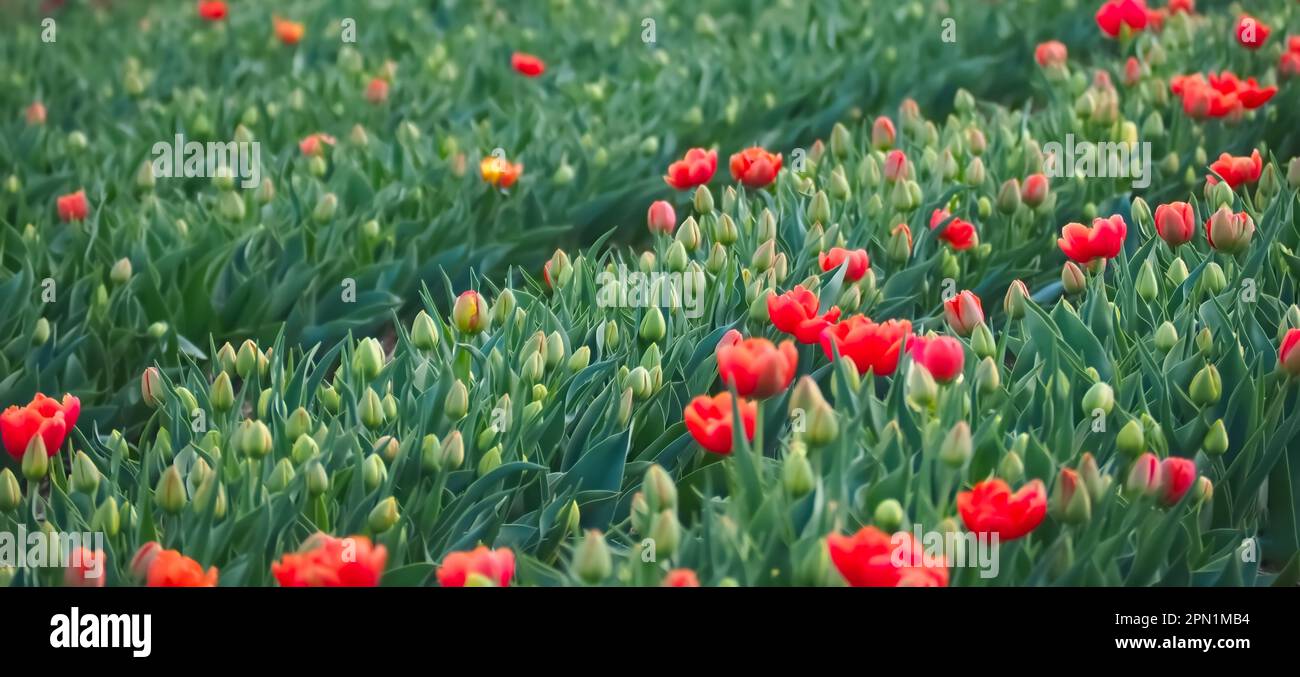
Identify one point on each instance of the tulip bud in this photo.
(490, 461)
(982, 341)
(922, 390)
(1131, 439)
(797, 473)
(703, 200)
(1011, 468)
(987, 377)
(658, 489)
(424, 335)
(1099, 396)
(11, 493)
(280, 477)
(170, 492)
(819, 209)
(222, 394)
(1166, 337)
(36, 460)
(1147, 286)
(592, 562)
(888, 515)
(468, 314)
(106, 518)
(85, 476)
(957, 447)
(383, 516)
(456, 406)
(653, 326)
(665, 531)
(1206, 387)
(841, 140)
(820, 424)
(580, 359)
(1072, 279)
(254, 439)
(1009, 196)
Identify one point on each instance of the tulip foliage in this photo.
(816, 360)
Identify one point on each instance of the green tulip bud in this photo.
(456, 406)
(11, 493)
(1131, 439)
(592, 562)
(36, 460)
(85, 476)
(1206, 387)
(371, 409)
(298, 424)
(1166, 337)
(170, 492)
(121, 272)
(580, 359)
(1147, 286)
(329, 398)
(254, 439)
(957, 447)
(888, 515)
(1216, 440)
(1099, 396)
(318, 481)
(304, 449)
(1011, 468)
(424, 336)
(490, 461)
(665, 532)
(797, 473)
(987, 377)
(222, 393)
(281, 476)
(703, 200)
(383, 516)
(106, 518)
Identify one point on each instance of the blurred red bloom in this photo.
(85, 569)
(681, 578)
(35, 113)
(327, 562)
(942, 356)
(44, 416)
(1050, 54)
(170, 569)
(1103, 240)
(1221, 95)
(1034, 191)
(499, 172)
(757, 367)
(377, 91)
(991, 508)
(896, 166)
(883, 133)
(1116, 14)
(213, 10)
(695, 169)
(73, 206)
(289, 32)
(960, 234)
(1251, 32)
(859, 262)
(710, 421)
(479, 566)
(755, 167)
(1182, 6)
(314, 144)
(795, 313)
(870, 345)
(1237, 170)
(873, 559)
(527, 64)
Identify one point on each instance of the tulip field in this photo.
(679, 293)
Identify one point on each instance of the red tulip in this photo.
(681, 578)
(496, 567)
(871, 346)
(44, 416)
(1251, 32)
(73, 206)
(695, 169)
(289, 32)
(960, 234)
(709, 419)
(35, 113)
(327, 562)
(1175, 223)
(1116, 14)
(1221, 95)
(964, 312)
(1103, 240)
(1051, 54)
(755, 167)
(1034, 191)
(942, 356)
(883, 133)
(896, 166)
(859, 262)
(527, 64)
(1182, 6)
(170, 569)
(213, 10)
(313, 145)
(499, 172)
(756, 367)
(795, 313)
(1237, 170)
(85, 569)
(1132, 71)
(377, 91)
(873, 559)
(1288, 354)
(991, 508)
(1177, 475)
(1289, 65)
(661, 218)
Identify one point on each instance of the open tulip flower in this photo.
(284, 309)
